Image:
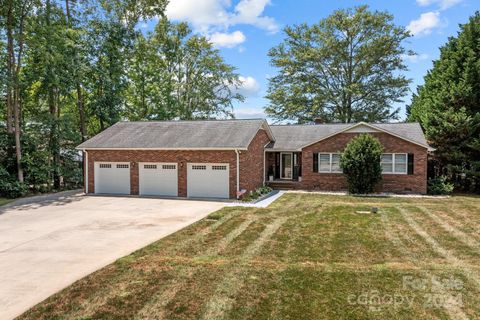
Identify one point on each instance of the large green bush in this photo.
(360, 163)
(439, 185)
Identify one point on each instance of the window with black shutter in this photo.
(315, 162)
(410, 163)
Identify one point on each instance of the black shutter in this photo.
(410, 163)
(315, 162)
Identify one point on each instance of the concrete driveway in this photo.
(52, 242)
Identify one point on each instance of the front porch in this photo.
(283, 169)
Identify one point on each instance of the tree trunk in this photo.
(10, 68)
(78, 85)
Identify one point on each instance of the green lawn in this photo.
(4, 201)
(305, 257)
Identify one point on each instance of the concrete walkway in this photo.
(47, 243)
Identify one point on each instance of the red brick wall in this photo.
(180, 157)
(251, 164)
(400, 183)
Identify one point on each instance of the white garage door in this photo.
(158, 179)
(208, 180)
(112, 177)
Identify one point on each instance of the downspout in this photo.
(86, 170)
(264, 155)
(238, 172)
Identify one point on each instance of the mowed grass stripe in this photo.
(222, 300)
(444, 238)
(395, 237)
(448, 255)
(157, 305)
(462, 236)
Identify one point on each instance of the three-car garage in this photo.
(204, 180)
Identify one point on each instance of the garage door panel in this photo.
(208, 180)
(112, 177)
(158, 179)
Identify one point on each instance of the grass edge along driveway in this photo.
(306, 256)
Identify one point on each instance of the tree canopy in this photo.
(72, 68)
(448, 107)
(345, 68)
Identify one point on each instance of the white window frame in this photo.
(330, 170)
(394, 162)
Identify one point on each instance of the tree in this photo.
(344, 68)
(360, 163)
(179, 75)
(448, 107)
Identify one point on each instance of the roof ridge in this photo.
(196, 120)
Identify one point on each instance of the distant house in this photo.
(225, 158)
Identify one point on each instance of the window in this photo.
(394, 163)
(122, 166)
(105, 165)
(169, 166)
(387, 163)
(199, 167)
(149, 166)
(329, 162)
(219, 167)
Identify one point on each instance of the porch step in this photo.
(283, 185)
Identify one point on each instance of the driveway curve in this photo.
(47, 243)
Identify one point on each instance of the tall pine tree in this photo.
(448, 107)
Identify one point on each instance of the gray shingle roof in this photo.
(294, 137)
(221, 134)
(228, 134)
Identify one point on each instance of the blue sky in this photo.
(245, 30)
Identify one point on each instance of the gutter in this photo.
(264, 155)
(85, 152)
(238, 173)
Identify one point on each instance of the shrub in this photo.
(360, 163)
(13, 189)
(255, 194)
(9, 187)
(439, 185)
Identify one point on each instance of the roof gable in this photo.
(297, 137)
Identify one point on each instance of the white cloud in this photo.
(249, 87)
(202, 14)
(250, 12)
(249, 113)
(227, 40)
(425, 24)
(217, 16)
(415, 58)
(443, 4)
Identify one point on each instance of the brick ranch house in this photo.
(226, 158)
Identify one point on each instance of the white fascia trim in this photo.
(85, 167)
(267, 128)
(183, 149)
(283, 150)
(371, 126)
(238, 173)
(264, 126)
(264, 162)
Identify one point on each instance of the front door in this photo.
(286, 165)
